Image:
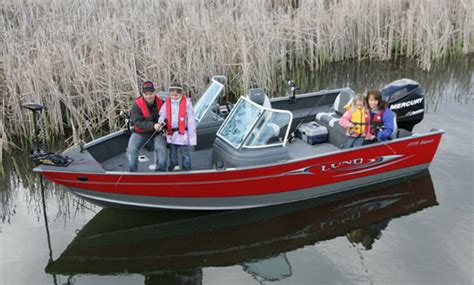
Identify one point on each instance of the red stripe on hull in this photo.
(302, 174)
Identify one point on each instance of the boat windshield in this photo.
(250, 125)
(207, 99)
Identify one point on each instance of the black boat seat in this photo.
(330, 119)
(257, 95)
(395, 127)
(394, 134)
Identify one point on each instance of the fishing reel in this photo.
(126, 117)
(292, 85)
(379, 128)
(291, 137)
(163, 129)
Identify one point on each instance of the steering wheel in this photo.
(229, 106)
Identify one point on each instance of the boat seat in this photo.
(257, 95)
(330, 119)
(269, 134)
(394, 134)
(344, 98)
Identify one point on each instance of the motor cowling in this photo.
(405, 98)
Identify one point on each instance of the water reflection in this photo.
(175, 246)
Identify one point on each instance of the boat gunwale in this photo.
(432, 132)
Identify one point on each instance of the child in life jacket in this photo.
(356, 121)
(180, 126)
(381, 118)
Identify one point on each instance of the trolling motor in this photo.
(293, 87)
(39, 155)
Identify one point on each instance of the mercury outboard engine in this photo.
(405, 99)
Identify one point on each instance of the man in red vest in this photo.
(145, 114)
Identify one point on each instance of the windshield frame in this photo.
(213, 82)
(258, 116)
(229, 119)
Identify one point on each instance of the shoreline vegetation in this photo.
(84, 60)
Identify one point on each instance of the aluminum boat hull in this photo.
(250, 187)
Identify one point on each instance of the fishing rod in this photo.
(126, 117)
(294, 87)
(310, 111)
(160, 132)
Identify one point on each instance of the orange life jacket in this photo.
(360, 119)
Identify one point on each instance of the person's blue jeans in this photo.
(353, 141)
(174, 148)
(135, 143)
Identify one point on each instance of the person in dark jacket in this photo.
(381, 118)
(144, 116)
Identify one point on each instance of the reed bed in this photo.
(84, 60)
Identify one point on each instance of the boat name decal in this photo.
(422, 142)
(357, 163)
(336, 165)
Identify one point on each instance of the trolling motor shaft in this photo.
(40, 155)
(35, 108)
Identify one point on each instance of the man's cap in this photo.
(148, 86)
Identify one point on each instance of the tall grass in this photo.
(85, 59)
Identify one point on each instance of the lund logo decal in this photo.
(356, 165)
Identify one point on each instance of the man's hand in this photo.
(157, 127)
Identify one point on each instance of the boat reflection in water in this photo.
(174, 246)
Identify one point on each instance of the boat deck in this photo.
(298, 149)
(201, 159)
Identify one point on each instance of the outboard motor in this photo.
(405, 99)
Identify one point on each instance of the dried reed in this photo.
(85, 59)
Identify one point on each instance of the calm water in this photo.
(416, 231)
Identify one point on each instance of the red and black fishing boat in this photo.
(246, 156)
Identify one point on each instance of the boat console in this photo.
(252, 134)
